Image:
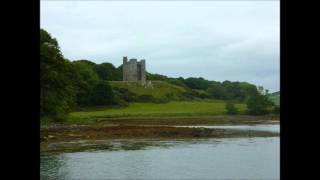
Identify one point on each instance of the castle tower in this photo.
(142, 71)
(134, 70)
(125, 59)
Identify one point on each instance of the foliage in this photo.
(101, 94)
(276, 109)
(56, 90)
(87, 79)
(197, 83)
(225, 90)
(106, 71)
(258, 104)
(67, 85)
(231, 109)
(217, 91)
(233, 90)
(125, 94)
(158, 77)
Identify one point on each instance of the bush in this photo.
(276, 109)
(102, 94)
(231, 109)
(125, 94)
(258, 104)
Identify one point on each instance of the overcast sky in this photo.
(231, 40)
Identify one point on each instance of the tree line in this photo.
(65, 84)
(226, 90)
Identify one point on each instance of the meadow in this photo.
(139, 110)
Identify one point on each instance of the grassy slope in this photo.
(159, 89)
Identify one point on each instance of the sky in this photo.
(216, 40)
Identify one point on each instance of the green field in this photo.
(171, 109)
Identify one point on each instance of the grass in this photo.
(171, 109)
(158, 89)
(172, 113)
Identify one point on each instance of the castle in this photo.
(134, 70)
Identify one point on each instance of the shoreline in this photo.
(152, 128)
(182, 120)
(50, 138)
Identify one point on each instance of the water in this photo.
(227, 158)
(257, 127)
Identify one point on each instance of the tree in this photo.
(102, 94)
(233, 90)
(248, 89)
(257, 104)
(231, 109)
(197, 83)
(106, 71)
(88, 78)
(56, 91)
(217, 91)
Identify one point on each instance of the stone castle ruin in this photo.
(134, 70)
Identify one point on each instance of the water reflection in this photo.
(50, 166)
(233, 158)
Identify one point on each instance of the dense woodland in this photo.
(66, 85)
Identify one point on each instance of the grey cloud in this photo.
(216, 40)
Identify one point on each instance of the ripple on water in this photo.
(255, 158)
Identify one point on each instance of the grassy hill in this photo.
(177, 107)
(157, 89)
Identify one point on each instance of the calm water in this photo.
(228, 158)
(258, 127)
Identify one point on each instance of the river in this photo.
(227, 158)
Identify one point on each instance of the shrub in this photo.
(258, 104)
(231, 109)
(125, 94)
(276, 109)
(102, 94)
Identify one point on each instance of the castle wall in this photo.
(134, 70)
(143, 71)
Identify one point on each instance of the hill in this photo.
(157, 89)
(73, 85)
